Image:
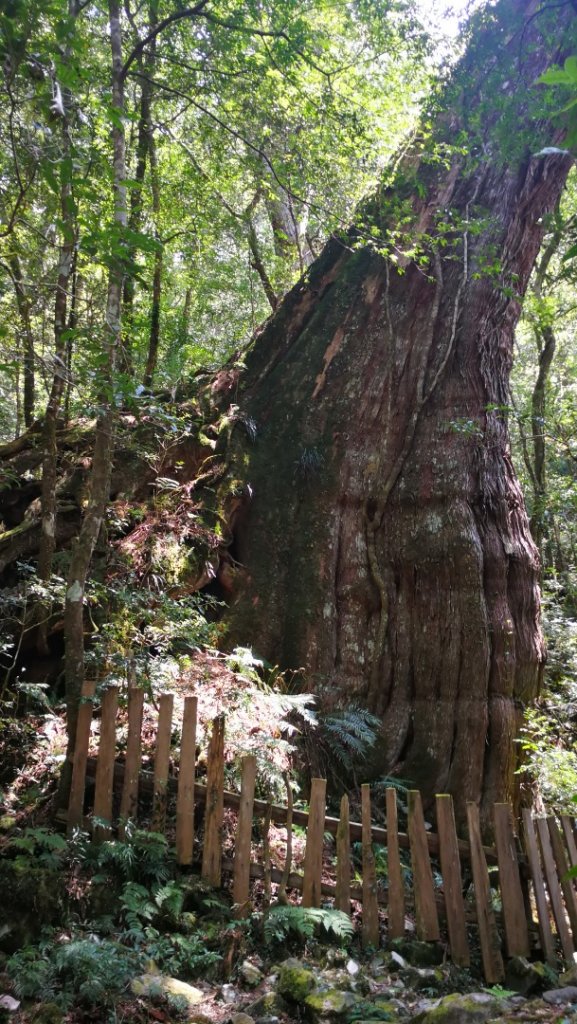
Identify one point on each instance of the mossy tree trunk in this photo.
(383, 540)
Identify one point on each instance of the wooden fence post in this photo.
(567, 827)
(452, 881)
(488, 934)
(396, 890)
(105, 767)
(370, 929)
(77, 786)
(162, 761)
(554, 889)
(313, 865)
(425, 904)
(185, 793)
(562, 869)
(129, 799)
(212, 850)
(242, 846)
(514, 912)
(543, 918)
(343, 887)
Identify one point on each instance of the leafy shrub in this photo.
(143, 857)
(86, 971)
(284, 923)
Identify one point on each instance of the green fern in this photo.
(304, 923)
(349, 734)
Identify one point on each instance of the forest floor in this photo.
(82, 926)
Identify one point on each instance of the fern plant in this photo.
(284, 923)
(340, 744)
(84, 971)
(143, 857)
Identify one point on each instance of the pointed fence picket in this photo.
(543, 862)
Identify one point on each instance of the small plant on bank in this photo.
(285, 923)
(87, 971)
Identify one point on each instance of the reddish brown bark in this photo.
(384, 543)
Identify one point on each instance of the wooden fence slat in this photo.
(162, 761)
(562, 865)
(567, 826)
(514, 911)
(554, 889)
(488, 934)
(543, 918)
(129, 800)
(396, 889)
(452, 880)
(185, 792)
(427, 919)
(105, 768)
(343, 880)
(211, 871)
(242, 845)
(313, 864)
(370, 928)
(77, 786)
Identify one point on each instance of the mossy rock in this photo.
(331, 1003)
(473, 1008)
(271, 1004)
(155, 985)
(377, 1009)
(295, 981)
(419, 954)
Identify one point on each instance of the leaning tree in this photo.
(382, 542)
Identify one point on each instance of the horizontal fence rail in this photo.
(534, 876)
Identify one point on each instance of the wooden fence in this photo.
(533, 880)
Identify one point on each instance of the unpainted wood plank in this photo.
(105, 767)
(211, 871)
(343, 879)
(489, 937)
(427, 919)
(370, 926)
(571, 845)
(543, 917)
(562, 864)
(162, 761)
(554, 888)
(282, 894)
(452, 880)
(313, 863)
(396, 889)
(129, 799)
(242, 845)
(514, 915)
(82, 743)
(185, 792)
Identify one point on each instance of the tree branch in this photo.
(187, 12)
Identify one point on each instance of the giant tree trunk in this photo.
(384, 541)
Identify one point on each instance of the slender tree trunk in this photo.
(136, 198)
(53, 408)
(76, 288)
(104, 436)
(23, 303)
(384, 540)
(257, 264)
(154, 333)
